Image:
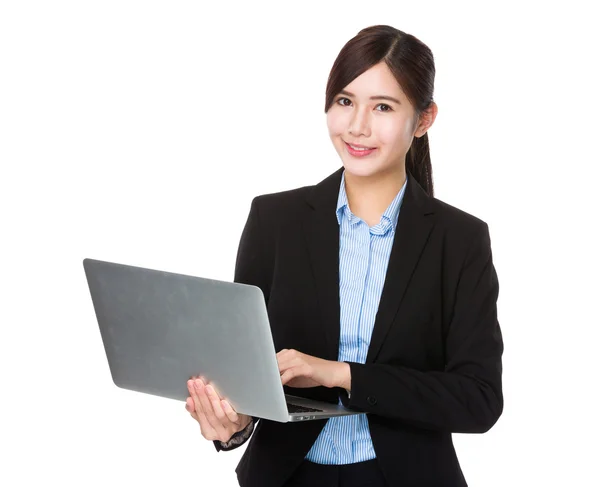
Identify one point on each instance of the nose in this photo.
(359, 124)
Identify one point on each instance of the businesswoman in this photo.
(379, 296)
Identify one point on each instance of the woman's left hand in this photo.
(298, 369)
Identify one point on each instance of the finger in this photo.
(191, 389)
(296, 368)
(210, 389)
(192, 412)
(222, 425)
(207, 408)
(283, 363)
(289, 358)
(205, 427)
(287, 376)
(195, 402)
(200, 391)
(281, 353)
(217, 407)
(189, 405)
(194, 396)
(288, 362)
(230, 412)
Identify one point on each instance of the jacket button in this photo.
(371, 400)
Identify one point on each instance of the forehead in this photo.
(377, 80)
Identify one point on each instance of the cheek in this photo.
(335, 123)
(393, 134)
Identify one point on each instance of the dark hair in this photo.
(411, 63)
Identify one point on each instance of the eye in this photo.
(389, 108)
(342, 99)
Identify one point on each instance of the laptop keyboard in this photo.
(294, 408)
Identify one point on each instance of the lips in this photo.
(359, 153)
(359, 146)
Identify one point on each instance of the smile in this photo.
(359, 151)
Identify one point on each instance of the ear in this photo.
(426, 120)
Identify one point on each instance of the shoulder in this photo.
(290, 196)
(453, 218)
(281, 204)
(462, 232)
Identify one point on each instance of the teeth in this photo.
(359, 148)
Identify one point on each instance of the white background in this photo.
(138, 132)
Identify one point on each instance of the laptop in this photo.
(160, 328)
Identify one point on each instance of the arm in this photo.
(249, 269)
(467, 396)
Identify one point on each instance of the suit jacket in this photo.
(434, 362)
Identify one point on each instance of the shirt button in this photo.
(371, 400)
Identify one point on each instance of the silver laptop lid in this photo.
(159, 328)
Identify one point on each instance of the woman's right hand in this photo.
(217, 419)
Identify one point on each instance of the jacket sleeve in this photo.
(238, 438)
(249, 269)
(466, 397)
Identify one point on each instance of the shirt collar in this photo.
(390, 215)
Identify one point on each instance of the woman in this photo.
(379, 296)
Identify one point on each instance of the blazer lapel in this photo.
(322, 234)
(412, 232)
(321, 231)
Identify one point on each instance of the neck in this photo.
(373, 194)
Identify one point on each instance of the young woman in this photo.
(379, 296)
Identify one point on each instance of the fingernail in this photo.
(209, 389)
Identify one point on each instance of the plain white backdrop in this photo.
(139, 132)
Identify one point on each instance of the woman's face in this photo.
(385, 123)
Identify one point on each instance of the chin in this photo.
(358, 169)
(366, 169)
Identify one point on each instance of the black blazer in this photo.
(434, 362)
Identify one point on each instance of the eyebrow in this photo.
(378, 97)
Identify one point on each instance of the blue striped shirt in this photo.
(364, 257)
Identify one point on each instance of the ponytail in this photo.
(418, 163)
